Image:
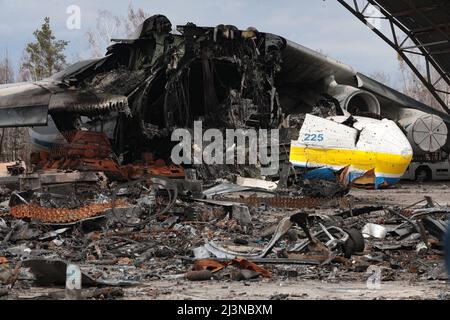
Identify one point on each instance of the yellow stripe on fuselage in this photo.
(386, 163)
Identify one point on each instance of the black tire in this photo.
(349, 248)
(423, 174)
(355, 243)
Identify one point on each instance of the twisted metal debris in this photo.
(280, 202)
(61, 215)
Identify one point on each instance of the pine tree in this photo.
(45, 56)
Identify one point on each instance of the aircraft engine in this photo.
(426, 133)
(353, 100)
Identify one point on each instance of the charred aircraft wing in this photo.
(29, 104)
(302, 65)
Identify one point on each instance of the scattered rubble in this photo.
(137, 232)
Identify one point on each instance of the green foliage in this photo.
(45, 56)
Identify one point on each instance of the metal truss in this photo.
(405, 43)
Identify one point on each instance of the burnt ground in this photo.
(420, 277)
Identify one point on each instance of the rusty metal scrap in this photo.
(157, 168)
(83, 144)
(92, 152)
(280, 202)
(214, 266)
(61, 215)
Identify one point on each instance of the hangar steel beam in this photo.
(393, 37)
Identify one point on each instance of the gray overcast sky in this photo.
(319, 24)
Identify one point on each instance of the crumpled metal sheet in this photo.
(374, 230)
(61, 215)
(224, 188)
(283, 227)
(53, 272)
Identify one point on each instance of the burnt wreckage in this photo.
(107, 120)
(131, 100)
(146, 87)
(221, 75)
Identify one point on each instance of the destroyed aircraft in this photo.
(116, 114)
(368, 152)
(113, 113)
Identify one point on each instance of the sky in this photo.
(318, 24)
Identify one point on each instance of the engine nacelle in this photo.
(354, 101)
(426, 132)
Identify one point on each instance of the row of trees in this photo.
(414, 88)
(410, 84)
(109, 26)
(10, 143)
(46, 56)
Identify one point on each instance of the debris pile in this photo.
(133, 233)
